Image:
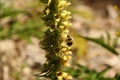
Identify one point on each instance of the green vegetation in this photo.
(83, 73)
(106, 44)
(31, 27)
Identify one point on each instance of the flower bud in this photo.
(62, 4)
(65, 14)
(64, 36)
(47, 11)
(68, 52)
(66, 64)
(67, 57)
(64, 49)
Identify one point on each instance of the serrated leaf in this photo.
(106, 46)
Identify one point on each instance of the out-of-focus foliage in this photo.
(9, 11)
(83, 73)
(106, 44)
(30, 27)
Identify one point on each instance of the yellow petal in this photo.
(68, 52)
(68, 57)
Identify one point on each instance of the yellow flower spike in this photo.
(56, 19)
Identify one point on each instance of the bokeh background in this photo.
(21, 30)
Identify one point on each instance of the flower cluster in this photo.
(63, 75)
(57, 41)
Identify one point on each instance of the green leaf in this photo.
(9, 11)
(98, 41)
(81, 67)
(117, 77)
